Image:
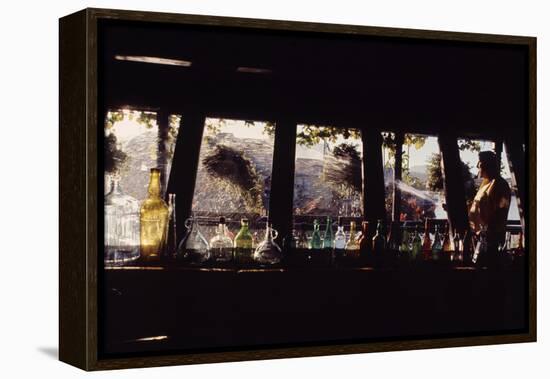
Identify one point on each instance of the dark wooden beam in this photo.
(373, 177)
(397, 175)
(184, 165)
(453, 182)
(282, 177)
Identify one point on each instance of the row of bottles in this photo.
(328, 240)
(223, 247)
(133, 230)
(149, 231)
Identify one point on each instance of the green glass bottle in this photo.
(405, 247)
(416, 245)
(328, 237)
(315, 242)
(379, 244)
(243, 244)
(437, 245)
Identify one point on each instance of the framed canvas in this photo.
(238, 189)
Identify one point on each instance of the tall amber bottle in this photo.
(153, 219)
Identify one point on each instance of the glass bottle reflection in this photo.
(193, 248)
(153, 220)
(268, 251)
(121, 225)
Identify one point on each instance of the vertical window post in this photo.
(185, 164)
(373, 174)
(453, 182)
(397, 175)
(282, 179)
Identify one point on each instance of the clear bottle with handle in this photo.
(194, 248)
(221, 246)
(268, 251)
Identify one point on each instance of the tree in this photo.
(238, 172)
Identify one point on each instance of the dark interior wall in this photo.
(360, 81)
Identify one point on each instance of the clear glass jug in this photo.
(268, 251)
(193, 248)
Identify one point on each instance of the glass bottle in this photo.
(520, 250)
(352, 246)
(291, 241)
(328, 237)
(193, 248)
(315, 242)
(171, 235)
(394, 240)
(467, 247)
(268, 251)
(153, 220)
(437, 245)
(243, 244)
(457, 247)
(416, 245)
(364, 245)
(302, 239)
(121, 225)
(340, 236)
(447, 248)
(378, 243)
(427, 242)
(221, 246)
(480, 251)
(405, 247)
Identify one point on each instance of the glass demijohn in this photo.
(121, 226)
(193, 248)
(268, 251)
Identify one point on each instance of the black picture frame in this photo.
(83, 103)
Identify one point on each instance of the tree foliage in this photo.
(238, 172)
(114, 157)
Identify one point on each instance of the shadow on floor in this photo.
(50, 351)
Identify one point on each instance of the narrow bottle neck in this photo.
(154, 184)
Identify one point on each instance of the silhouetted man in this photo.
(490, 206)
